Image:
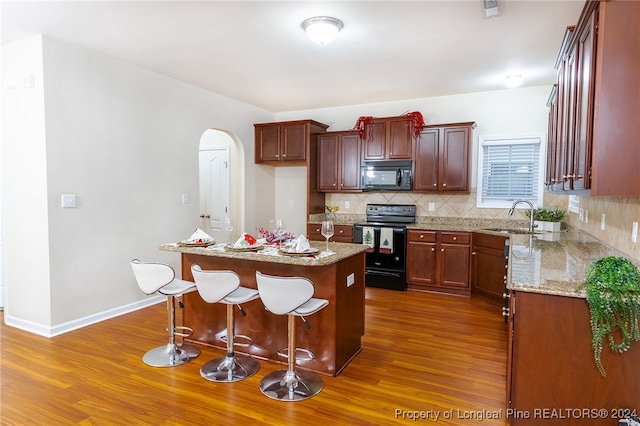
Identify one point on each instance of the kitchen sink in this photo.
(513, 231)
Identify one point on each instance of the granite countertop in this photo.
(270, 253)
(550, 263)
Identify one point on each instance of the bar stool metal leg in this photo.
(231, 367)
(171, 354)
(289, 384)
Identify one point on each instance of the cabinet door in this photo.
(294, 142)
(374, 141)
(489, 267)
(399, 141)
(454, 161)
(455, 265)
(584, 107)
(426, 161)
(328, 162)
(350, 162)
(268, 138)
(571, 72)
(421, 258)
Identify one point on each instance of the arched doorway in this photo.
(221, 171)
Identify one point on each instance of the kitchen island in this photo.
(336, 331)
(552, 377)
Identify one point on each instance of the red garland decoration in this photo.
(361, 125)
(417, 121)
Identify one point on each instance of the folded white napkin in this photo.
(199, 235)
(245, 240)
(301, 244)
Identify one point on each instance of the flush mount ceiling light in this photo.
(322, 29)
(513, 80)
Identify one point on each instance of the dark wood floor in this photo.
(424, 353)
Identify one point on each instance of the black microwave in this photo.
(386, 176)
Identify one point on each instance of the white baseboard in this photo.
(49, 331)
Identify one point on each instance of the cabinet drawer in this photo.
(455, 238)
(416, 235)
(342, 233)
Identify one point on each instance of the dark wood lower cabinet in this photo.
(489, 263)
(552, 377)
(439, 261)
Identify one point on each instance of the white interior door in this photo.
(214, 189)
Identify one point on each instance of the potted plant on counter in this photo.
(547, 219)
(612, 286)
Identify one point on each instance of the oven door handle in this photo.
(399, 177)
(382, 274)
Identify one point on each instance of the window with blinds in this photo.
(509, 169)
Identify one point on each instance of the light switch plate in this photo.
(68, 201)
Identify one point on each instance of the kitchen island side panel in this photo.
(335, 333)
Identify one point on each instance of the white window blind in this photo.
(510, 168)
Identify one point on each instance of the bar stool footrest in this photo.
(249, 340)
(307, 355)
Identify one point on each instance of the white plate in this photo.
(197, 243)
(290, 251)
(245, 248)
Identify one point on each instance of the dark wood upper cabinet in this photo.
(594, 126)
(339, 161)
(387, 139)
(285, 143)
(442, 158)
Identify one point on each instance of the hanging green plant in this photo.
(612, 286)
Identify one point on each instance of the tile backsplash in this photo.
(620, 212)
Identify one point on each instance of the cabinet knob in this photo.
(435, 184)
(441, 249)
(341, 231)
(506, 295)
(444, 184)
(455, 238)
(317, 229)
(421, 236)
(284, 155)
(433, 249)
(505, 312)
(473, 253)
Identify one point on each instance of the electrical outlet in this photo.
(634, 233)
(432, 206)
(581, 215)
(586, 216)
(346, 205)
(602, 222)
(185, 198)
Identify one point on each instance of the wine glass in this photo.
(228, 227)
(279, 230)
(327, 231)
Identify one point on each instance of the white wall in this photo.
(125, 141)
(26, 239)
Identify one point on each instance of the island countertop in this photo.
(339, 251)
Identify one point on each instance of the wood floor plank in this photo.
(422, 353)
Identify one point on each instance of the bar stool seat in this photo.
(224, 287)
(160, 278)
(291, 296)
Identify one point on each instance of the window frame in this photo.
(518, 139)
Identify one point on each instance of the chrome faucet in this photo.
(513, 207)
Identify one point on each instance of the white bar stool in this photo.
(160, 278)
(291, 296)
(224, 287)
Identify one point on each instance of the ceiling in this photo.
(256, 52)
